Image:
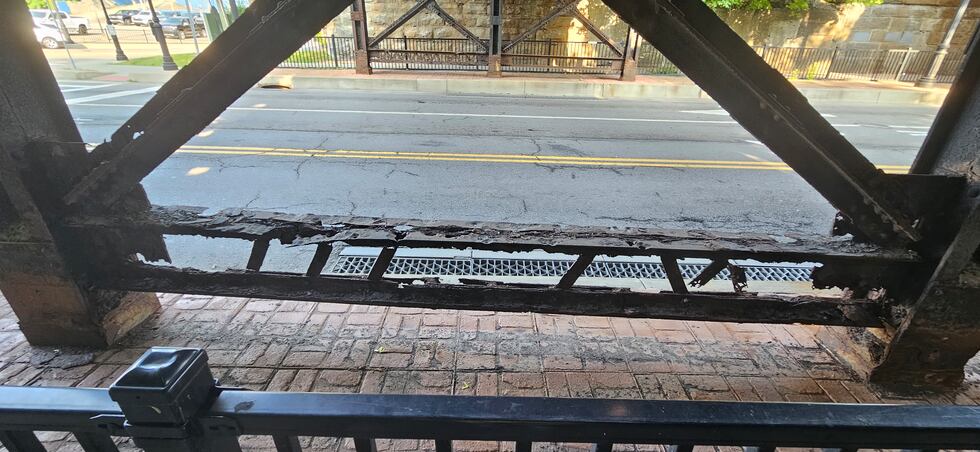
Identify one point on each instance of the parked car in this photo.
(48, 36)
(141, 18)
(180, 27)
(123, 16)
(74, 24)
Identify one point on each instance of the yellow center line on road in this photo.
(503, 158)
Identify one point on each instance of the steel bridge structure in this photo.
(903, 249)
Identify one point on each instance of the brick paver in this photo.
(299, 346)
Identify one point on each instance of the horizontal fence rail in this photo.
(169, 401)
(136, 35)
(595, 58)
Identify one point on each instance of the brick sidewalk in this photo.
(300, 346)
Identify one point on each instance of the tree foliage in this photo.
(797, 6)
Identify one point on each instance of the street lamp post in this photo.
(168, 61)
(930, 78)
(60, 23)
(120, 56)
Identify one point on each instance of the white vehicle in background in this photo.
(48, 36)
(74, 24)
(142, 18)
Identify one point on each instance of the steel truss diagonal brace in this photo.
(558, 10)
(452, 22)
(270, 40)
(438, 11)
(401, 21)
(587, 23)
(692, 36)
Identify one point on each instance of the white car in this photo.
(48, 36)
(74, 24)
(142, 18)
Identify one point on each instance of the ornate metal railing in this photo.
(169, 401)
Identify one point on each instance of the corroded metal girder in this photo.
(472, 295)
(307, 229)
(940, 332)
(695, 39)
(188, 103)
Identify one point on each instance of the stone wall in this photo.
(918, 24)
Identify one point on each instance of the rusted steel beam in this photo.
(310, 229)
(939, 333)
(41, 153)
(674, 275)
(494, 68)
(630, 53)
(575, 271)
(320, 258)
(495, 297)
(691, 36)
(398, 23)
(738, 277)
(709, 272)
(270, 41)
(558, 10)
(255, 259)
(598, 33)
(362, 49)
(381, 263)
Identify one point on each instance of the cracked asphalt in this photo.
(312, 122)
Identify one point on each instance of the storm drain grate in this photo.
(361, 265)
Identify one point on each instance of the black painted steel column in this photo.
(494, 68)
(362, 55)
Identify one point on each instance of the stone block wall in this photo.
(919, 24)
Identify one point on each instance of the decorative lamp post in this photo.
(109, 28)
(168, 61)
(930, 78)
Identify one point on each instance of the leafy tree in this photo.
(797, 6)
(37, 4)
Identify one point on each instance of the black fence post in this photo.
(830, 66)
(162, 396)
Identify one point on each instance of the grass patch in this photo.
(309, 56)
(180, 58)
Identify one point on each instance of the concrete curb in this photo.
(585, 89)
(553, 88)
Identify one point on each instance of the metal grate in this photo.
(361, 265)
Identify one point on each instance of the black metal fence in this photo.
(169, 401)
(134, 35)
(323, 53)
(838, 63)
(552, 56)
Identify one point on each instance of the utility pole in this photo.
(168, 61)
(929, 79)
(193, 17)
(60, 23)
(109, 28)
(234, 9)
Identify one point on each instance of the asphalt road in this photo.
(658, 163)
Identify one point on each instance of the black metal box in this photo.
(165, 386)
